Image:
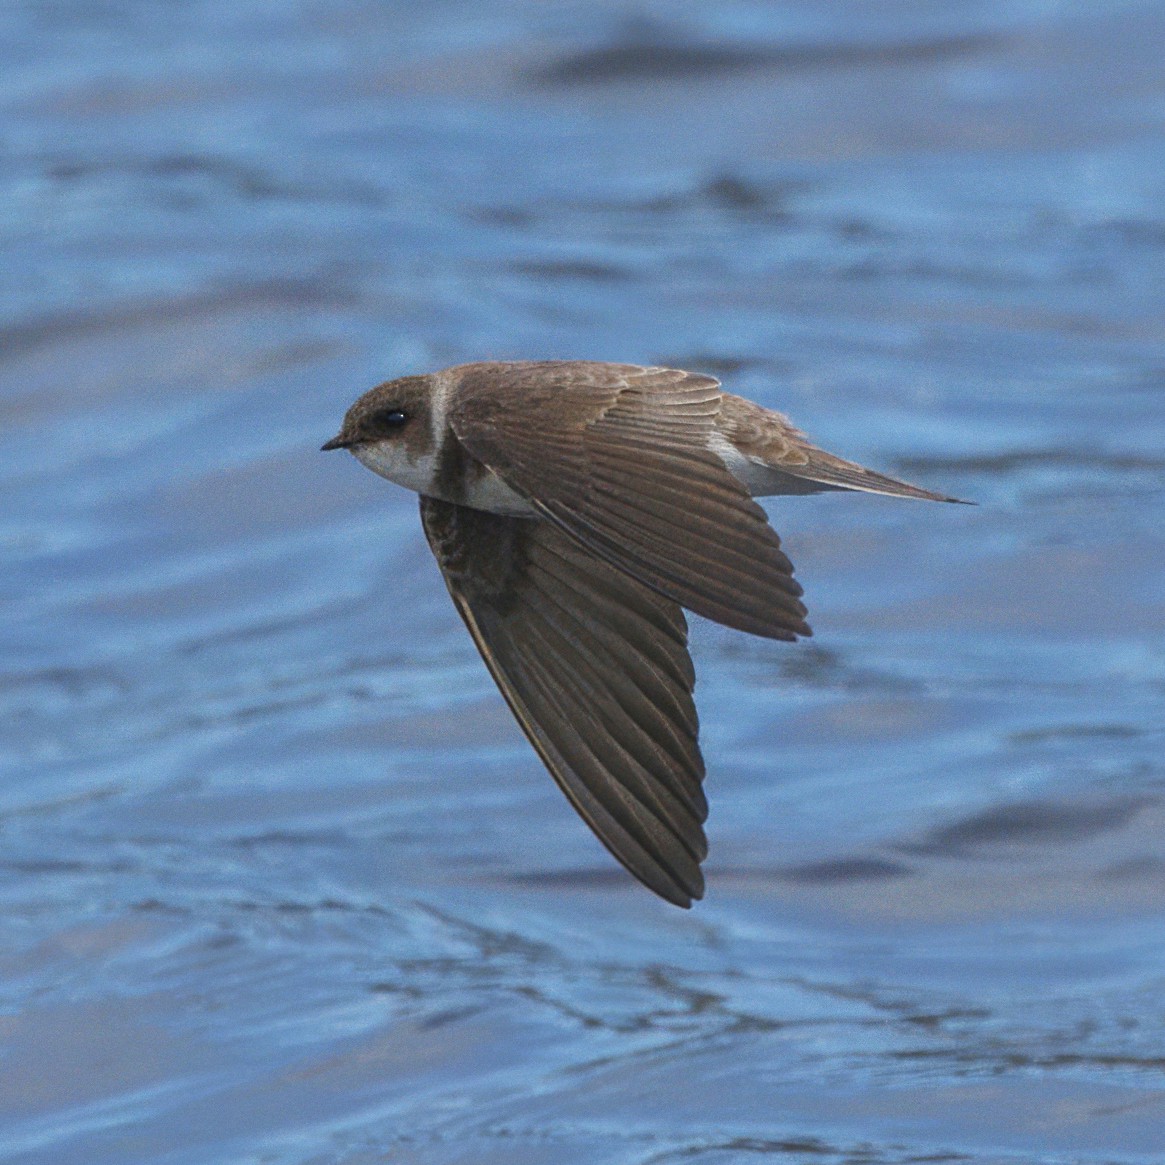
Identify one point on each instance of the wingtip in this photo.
(685, 901)
(918, 494)
(682, 893)
(781, 629)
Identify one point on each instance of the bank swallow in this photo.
(574, 508)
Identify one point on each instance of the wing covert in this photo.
(619, 457)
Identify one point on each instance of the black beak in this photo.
(337, 442)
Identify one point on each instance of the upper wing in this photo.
(595, 667)
(618, 456)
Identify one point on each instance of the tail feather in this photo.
(835, 473)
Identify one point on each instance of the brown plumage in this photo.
(574, 508)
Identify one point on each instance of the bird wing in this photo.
(618, 456)
(595, 667)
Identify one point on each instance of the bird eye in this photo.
(392, 418)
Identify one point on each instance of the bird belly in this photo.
(489, 492)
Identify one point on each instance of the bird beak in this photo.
(339, 441)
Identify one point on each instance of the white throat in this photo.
(391, 459)
(419, 471)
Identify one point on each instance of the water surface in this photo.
(280, 881)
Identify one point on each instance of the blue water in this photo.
(281, 882)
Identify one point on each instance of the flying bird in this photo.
(575, 507)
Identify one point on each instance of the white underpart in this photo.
(491, 493)
(391, 459)
(756, 477)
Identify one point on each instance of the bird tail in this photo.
(830, 472)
